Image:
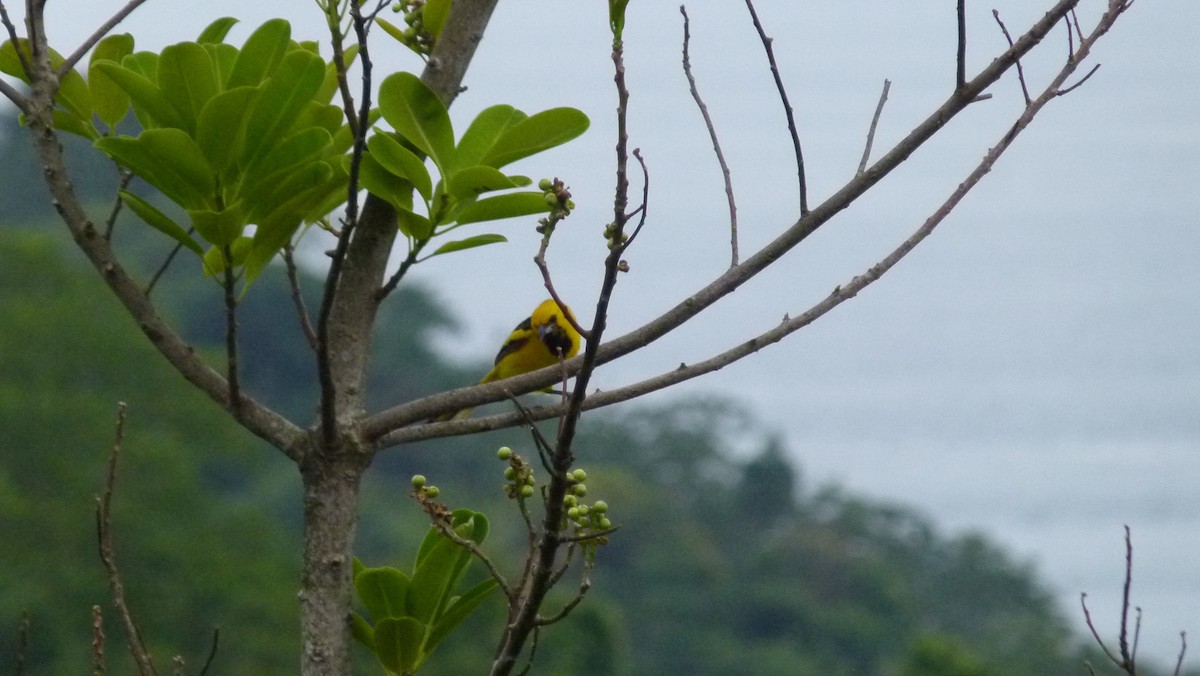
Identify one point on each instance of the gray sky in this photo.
(1031, 371)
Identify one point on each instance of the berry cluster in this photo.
(558, 197)
(414, 36)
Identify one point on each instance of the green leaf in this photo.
(110, 101)
(67, 121)
(280, 99)
(398, 644)
(383, 591)
(362, 631)
(160, 221)
(473, 181)
(413, 224)
(219, 227)
(10, 63)
(262, 53)
(214, 258)
(392, 30)
(434, 579)
(434, 16)
(275, 167)
(224, 57)
(539, 132)
(169, 160)
(216, 31)
(382, 183)
(485, 130)
(468, 243)
(503, 206)
(149, 103)
(356, 567)
(413, 110)
(459, 609)
(300, 197)
(187, 79)
(393, 156)
(143, 63)
(219, 127)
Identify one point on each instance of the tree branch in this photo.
(712, 134)
(787, 107)
(133, 636)
(866, 156)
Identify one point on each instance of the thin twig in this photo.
(1020, 70)
(1075, 86)
(1182, 652)
(23, 644)
(961, 71)
(162, 269)
(231, 352)
(108, 555)
(111, 221)
(69, 62)
(26, 67)
(1122, 639)
(99, 665)
(212, 652)
(787, 107)
(866, 156)
(477, 551)
(584, 586)
(1087, 618)
(712, 134)
(643, 208)
(306, 328)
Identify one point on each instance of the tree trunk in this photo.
(330, 520)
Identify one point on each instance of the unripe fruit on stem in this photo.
(418, 480)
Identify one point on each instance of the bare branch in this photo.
(471, 546)
(231, 353)
(866, 156)
(787, 108)
(1122, 639)
(162, 269)
(584, 586)
(108, 555)
(1075, 86)
(306, 328)
(1087, 617)
(25, 65)
(15, 96)
(95, 37)
(1020, 70)
(1182, 652)
(712, 134)
(960, 79)
(111, 221)
(212, 652)
(99, 664)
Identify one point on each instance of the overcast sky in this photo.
(1031, 371)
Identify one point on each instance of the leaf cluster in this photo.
(411, 614)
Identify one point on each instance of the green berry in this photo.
(600, 506)
(527, 491)
(579, 475)
(530, 480)
(570, 205)
(579, 489)
(573, 513)
(504, 453)
(551, 199)
(432, 491)
(418, 480)
(510, 473)
(605, 524)
(583, 510)
(570, 500)
(545, 185)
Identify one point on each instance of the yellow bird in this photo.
(539, 341)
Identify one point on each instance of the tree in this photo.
(295, 164)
